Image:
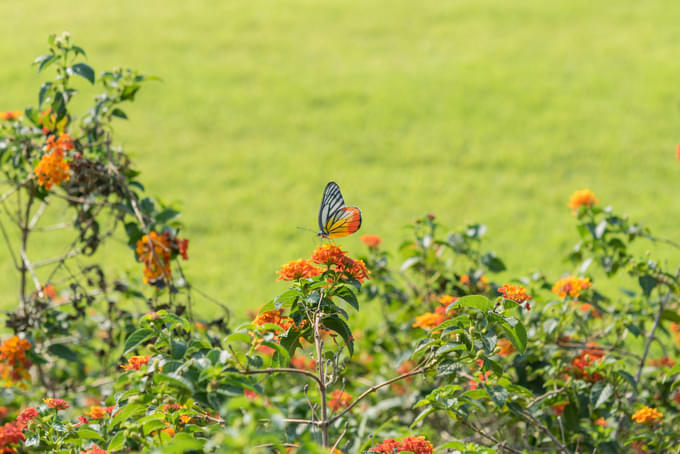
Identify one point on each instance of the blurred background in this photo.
(475, 111)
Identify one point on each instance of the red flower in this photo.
(11, 433)
(27, 415)
(559, 408)
(94, 450)
(677, 152)
(56, 404)
(355, 269)
(588, 358)
(303, 363)
(413, 444)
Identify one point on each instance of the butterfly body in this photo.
(335, 219)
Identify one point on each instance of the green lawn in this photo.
(477, 111)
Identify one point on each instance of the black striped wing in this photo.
(331, 204)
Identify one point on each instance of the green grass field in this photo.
(477, 111)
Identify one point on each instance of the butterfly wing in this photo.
(345, 221)
(331, 203)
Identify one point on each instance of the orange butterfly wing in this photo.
(346, 221)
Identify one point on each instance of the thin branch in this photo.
(36, 216)
(301, 421)
(9, 246)
(544, 396)
(545, 430)
(372, 389)
(489, 437)
(29, 267)
(337, 442)
(650, 338)
(61, 258)
(289, 370)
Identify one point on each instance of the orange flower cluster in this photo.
(156, 259)
(415, 445)
(590, 309)
(95, 450)
(664, 361)
(11, 115)
(154, 251)
(275, 317)
(328, 254)
(56, 404)
(372, 241)
(482, 284)
(339, 399)
(297, 269)
(647, 415)
(11, 433)
(97, 412)
(355, 269)
(588, 357)
(13, 362)
(572, 286)
(516, 293)
(52, 169)
(136, 363)
(430, 320)
(584, 197)
(601, 422)
(506, 347)
(303, 363)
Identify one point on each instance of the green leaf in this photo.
(281, 357)
(601, 394)
(177, 349)
(183, 442)
(242, 337)
(477, 301)
(166, 215)
(32, 442)
(87, 433)
(498, 394)
(628, 377)
(119, 113)
(63, 352)
(647, 283)
(44, 88)
(128, 411)
(338, 325)
(84, 70)
(670, 316)
(493, 263)
(174, 380)
(152, 425)
(117, 442)
(137, 338)
(348, 295)
(286, 298)
(44, 61)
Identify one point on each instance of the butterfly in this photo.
(335, 219)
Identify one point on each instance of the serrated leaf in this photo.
(84, 70)
(137, 338)
(603, 396)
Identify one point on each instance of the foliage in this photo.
(457, 361)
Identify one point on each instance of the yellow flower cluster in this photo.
(571, 286)
(647, 415)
